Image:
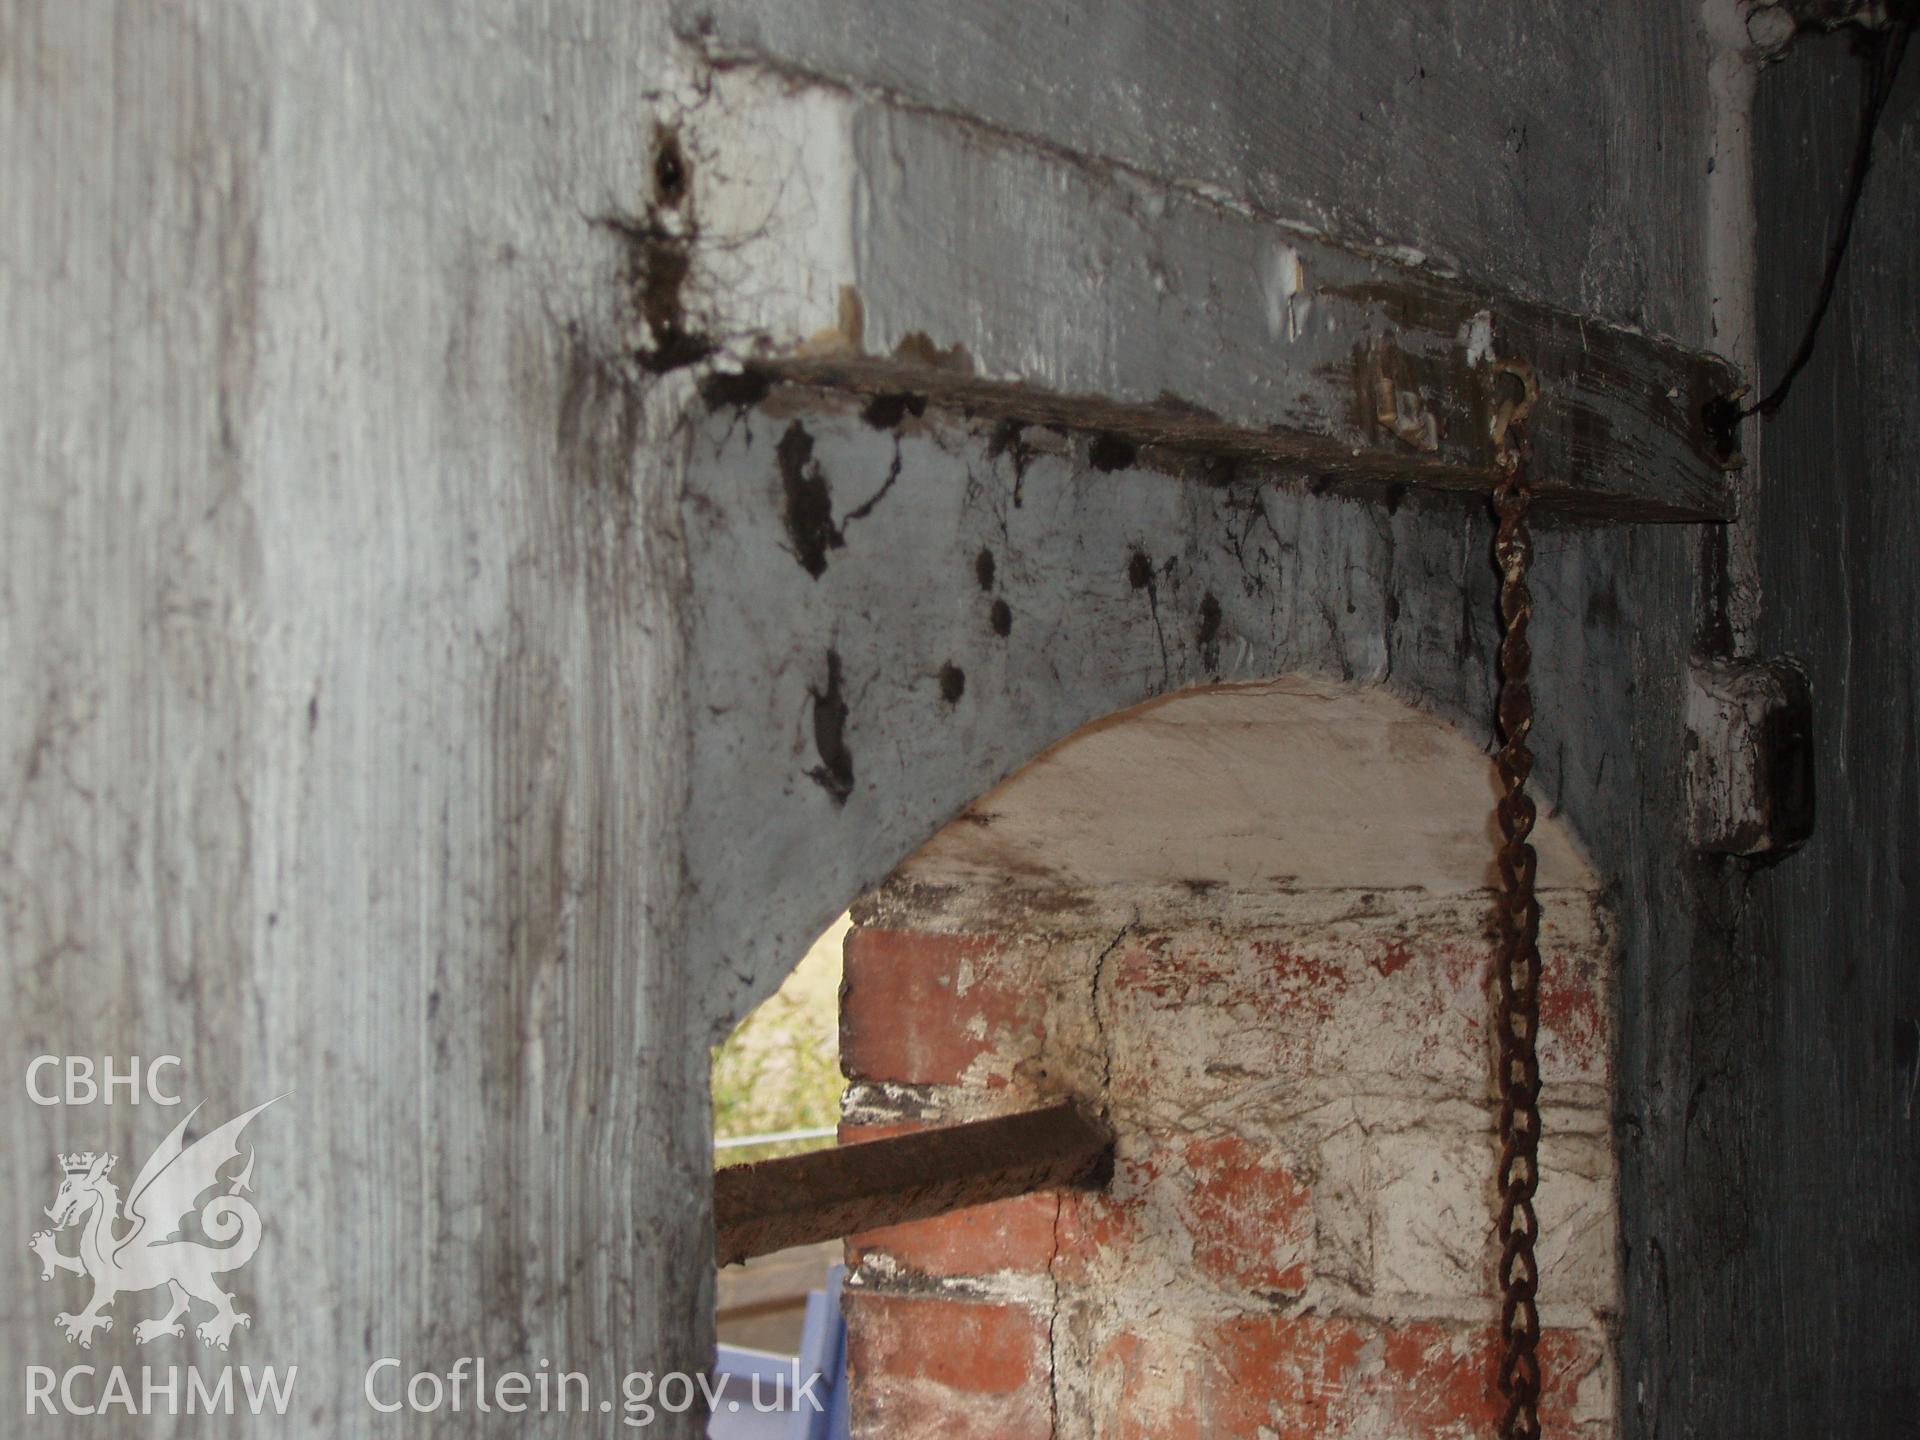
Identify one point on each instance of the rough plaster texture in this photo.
(1292, 785)
(411, 702)
(1303, 584)
(1512, 152)
(1102, 581)
(1294, 1054)
(846, 240)
(342, 703)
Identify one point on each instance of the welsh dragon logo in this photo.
(144, 1248)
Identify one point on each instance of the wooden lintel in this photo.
(1621, 434)
(772, 1204)
(1003, 280)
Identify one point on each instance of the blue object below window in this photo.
(761, 1396)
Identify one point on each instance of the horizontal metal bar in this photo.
(771, 1204)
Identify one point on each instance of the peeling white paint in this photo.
(1476, 339)
(1283, 286)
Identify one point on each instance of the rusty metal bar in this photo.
(771, 1204)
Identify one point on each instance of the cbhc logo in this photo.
(88, 1084)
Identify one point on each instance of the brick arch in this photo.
(1247, 922)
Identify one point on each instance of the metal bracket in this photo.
(1750, 758)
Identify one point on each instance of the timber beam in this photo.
(1020, 285)
(772, 1204)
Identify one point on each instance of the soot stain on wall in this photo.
(883, 412)
(983, 569)
(1208, 634)
(834, 773)
(1108, 453)
(953, 683)
(742, 389)
(809, 501)
(660, 249)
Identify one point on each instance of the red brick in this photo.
(1387, 1004)
(1153, 1400)
(920, 1009)
(1293, 1375)
(1444, 1375)
(1573, 1021)
(958, 1369)
(1253, 1375)
(1456, 1369)
(1250, 1217)
(1017, 1234)
(853, 1132)
(1287, 994)
(1312, 1377)
(1097, 1231)
(972, 1346)
(907, 1413)
(1171, 971)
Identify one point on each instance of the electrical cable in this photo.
(1883, 62)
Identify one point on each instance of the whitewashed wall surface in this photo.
(441, 688)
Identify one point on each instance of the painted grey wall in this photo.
(342, 697)
(1331, 587)
(1108, 579)
(1557, 152)
(410, 703)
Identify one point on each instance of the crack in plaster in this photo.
(1099, 1019)
(1053, 1320)
(860, 512)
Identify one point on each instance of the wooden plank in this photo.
(1620, 435)
(799, 1199)
(762, 1304)
(1779, 1093)
(316, 821)
(777, 1278)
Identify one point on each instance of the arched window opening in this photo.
(1246, 926)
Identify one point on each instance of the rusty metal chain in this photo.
(1517, 966)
